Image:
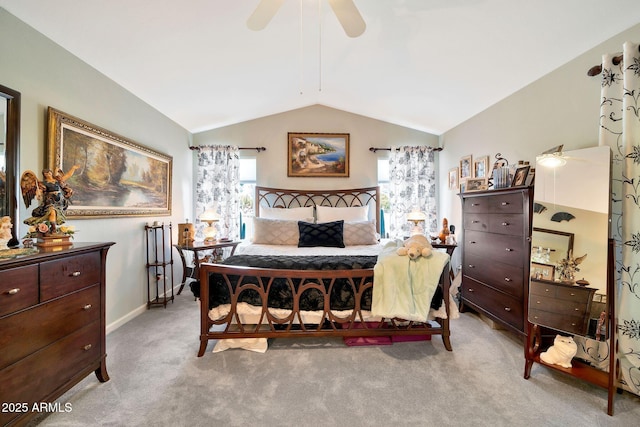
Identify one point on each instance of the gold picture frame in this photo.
(116, 176)
(318, 155)
(453, 179)
(466, 167)
(476, 184)
(481, 167)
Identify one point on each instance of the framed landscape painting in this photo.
(318, 154)
(115, 176)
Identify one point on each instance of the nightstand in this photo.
(218, 252)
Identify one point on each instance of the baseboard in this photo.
(132, 315)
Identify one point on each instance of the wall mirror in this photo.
(568, 284)
(9, 149)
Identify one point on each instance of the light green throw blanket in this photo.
(404, 288)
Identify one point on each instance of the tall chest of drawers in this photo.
(52, 323)
(496, 252)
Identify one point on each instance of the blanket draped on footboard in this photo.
(250, 296)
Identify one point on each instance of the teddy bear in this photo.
(415, 246)
(561, 352)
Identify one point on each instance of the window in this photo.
(247, 194)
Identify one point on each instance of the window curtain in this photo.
(218, 188)
(412, 179)
(620, 129)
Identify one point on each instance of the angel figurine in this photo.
(52, 192)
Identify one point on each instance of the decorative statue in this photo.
(568, 267)
(444, 232)
(52, 192)
(5, 232)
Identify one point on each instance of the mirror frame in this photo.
(569, 236)
(12, 156)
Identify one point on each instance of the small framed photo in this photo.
(453, 179)
(463, 186)
(542, 271)
(481, 167)
(466, 167)
(520, 176)
(477, 184)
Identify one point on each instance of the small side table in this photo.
(192, 272)
(449, 249)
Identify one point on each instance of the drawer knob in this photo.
(75, 273)
(507, 309)
(505, 203)
(13, 291)
(475, 204)
(573, 324)
(538, 302)
(576, 309)
(471, 290)
(472, 266)
(87, 307)
(505, 223)
(508, 249)
(475, 221)
(87, 347)
(507, 279)
(472, 242)
(572, 294)
(547, 289)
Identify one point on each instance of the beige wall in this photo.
(46, 75)
(560, 108)
(271, 132)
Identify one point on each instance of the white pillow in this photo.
(275, 232)
(298, 214)
(360, 233)
(353, 213)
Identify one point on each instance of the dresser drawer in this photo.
(563, 292)
(33, 378)
(496, 247)
(66, 275)
(476, 221)
(18, 289)
(504, 307)
(505, 277)
(556, 305)
(506, 224)
(54, 320)
(506, 203)
(572, 324)
(475, 205)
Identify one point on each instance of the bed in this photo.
(272, 290)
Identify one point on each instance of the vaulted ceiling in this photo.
(423, 64)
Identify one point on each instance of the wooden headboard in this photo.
(281, 198)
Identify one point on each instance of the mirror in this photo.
(9, 148)
(569, 262)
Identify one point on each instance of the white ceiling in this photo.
(424, 64)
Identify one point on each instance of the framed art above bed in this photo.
(318, 154)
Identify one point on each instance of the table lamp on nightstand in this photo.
(210, 217)
(416, 217)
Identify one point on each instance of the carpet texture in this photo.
(156, 379)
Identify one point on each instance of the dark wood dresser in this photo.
(52, 325)
(560, 306)
(496, 254)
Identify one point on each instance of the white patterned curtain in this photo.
(218, 187)
(620, 129)
(412, 186)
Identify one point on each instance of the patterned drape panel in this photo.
(412, 186)
(218, 187)
(620, 129)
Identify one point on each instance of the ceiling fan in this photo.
(345, 10)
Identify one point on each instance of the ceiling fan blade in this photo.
(263, 14)
(349, 17)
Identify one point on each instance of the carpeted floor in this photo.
(156, 379)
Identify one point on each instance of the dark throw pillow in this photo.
(328, 234)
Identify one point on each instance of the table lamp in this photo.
(416, 217)
(210, 217)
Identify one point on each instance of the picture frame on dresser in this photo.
(541, 271)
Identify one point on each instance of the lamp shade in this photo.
(416, 215)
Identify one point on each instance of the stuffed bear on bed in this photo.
(415, 246)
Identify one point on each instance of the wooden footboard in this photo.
(294, 322)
